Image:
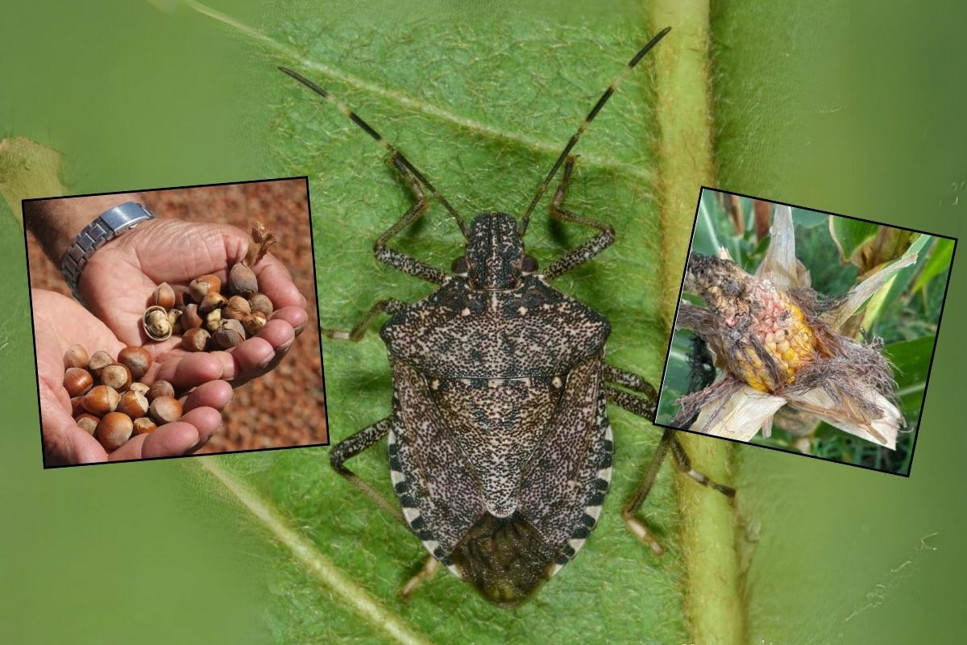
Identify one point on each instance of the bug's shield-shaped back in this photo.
(519, 440)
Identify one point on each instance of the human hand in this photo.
(122, 275)
(60, 322)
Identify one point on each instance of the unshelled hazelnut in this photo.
(163, 296)
(87, 422)
(76, 356)
(261, 302)
(99, 360)
(144, 425)
(77, 406)
(239, 304)
(136, 359)
(242, 281)
(134, 404)
(190, 318)
(114, 429)
(195, 340)
(165, 409)
(182, 297)
(229, 334)
(100, 400)
(77, 381)
(140, 387)
(117, 376)
(160, 388)
(204, 285)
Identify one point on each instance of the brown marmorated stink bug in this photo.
(499, 443)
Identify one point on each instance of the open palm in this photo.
(60, 322)
(118, 281)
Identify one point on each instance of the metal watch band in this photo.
(105, 228)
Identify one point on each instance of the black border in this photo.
(315, 284)
(691, 239)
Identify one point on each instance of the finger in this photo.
(65, 443)
(297, 317)
(251, 358)
(207, 422)
(190, 370)
(170, 440)
(214, 394)
(275, 281)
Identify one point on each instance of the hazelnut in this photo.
(254, 322)
(242, 281)
(165, 409)
(100, 400)
(174, 319)
(114, 429)
(261, 302)
(190, 318)
(213, 319)
(77, 381)
(155, 323)
(77, 406)
(117, 376)
(134, 404)
(240, 304)
(99, 360)
(137, 386)
(87, 422)
(204, 285)
(195, 340)
(163, 296)
(229, 334)
(231, 312)
(144, 425)
(182, 297)
(160, 388)
(76, 356)
(210, 302)
(136, 359)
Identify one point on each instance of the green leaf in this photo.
(482, 108)
(937, 265)
(850, 235)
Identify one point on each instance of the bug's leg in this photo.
(645, 407)
(430, 567)
(352, 446)
(401, 261)
(589, 249)
(359, 329)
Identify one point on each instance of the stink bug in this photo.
(499, 443)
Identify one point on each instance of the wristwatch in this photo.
(105, 228)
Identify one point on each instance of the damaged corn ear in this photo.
(765, 337)
(781, 328)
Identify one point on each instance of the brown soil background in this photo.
(286, 407)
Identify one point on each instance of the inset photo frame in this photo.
(175, 322)
(805, 331)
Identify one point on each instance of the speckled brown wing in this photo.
(500, 449)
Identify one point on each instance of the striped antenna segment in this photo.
(368, 129)
(522, 227)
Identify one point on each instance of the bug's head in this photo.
(495, 257)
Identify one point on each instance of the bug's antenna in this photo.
(346, 110)
(522, 227)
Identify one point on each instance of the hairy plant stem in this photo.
(713, 600)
